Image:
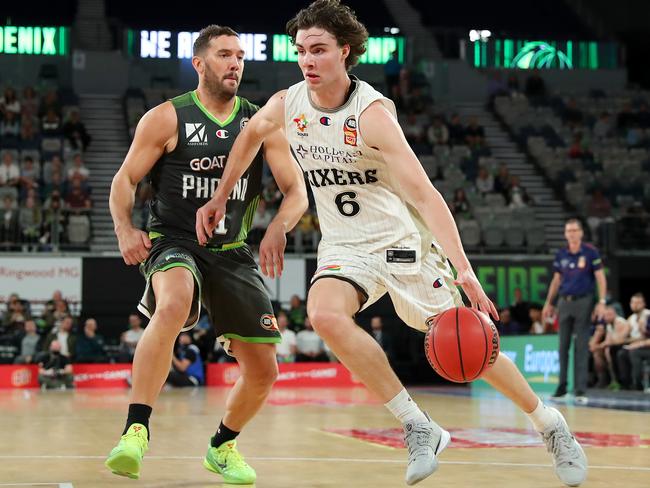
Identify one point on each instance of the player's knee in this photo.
(270, 374)
(173, 310)
(262, 377)
(325, 322)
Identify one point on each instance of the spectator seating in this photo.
(34, 144)
(592, 143)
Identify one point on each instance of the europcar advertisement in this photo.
(537, 357)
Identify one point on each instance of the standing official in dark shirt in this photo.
(578, 267)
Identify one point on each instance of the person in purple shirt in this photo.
(577, 268)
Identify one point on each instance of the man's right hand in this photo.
(134, 245)
(548, 311)
(207, 219)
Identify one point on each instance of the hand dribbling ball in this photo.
(461, 344)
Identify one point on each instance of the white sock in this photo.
(405, 409)
(542, 417)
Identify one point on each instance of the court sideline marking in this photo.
(318, 459)
(60, 485)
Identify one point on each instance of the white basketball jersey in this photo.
(359, 203)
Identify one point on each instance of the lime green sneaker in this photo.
(226, 461)
(126, 458)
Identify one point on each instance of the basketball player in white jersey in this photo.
(385, 229)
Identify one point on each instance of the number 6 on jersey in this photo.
(345, 202)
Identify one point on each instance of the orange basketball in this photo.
(461, 343)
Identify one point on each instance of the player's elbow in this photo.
(121, 181)
(421, 195)
(297, 192)
(302, 202)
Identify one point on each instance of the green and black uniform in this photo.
(226, 275)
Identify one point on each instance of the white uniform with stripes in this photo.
(371, 237)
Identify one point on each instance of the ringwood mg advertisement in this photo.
(537, 357)
(36, 278)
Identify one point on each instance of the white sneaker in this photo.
(581, 399)
(569, 460)
(425, 442)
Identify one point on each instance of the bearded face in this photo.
(222, 67)
(222, 86)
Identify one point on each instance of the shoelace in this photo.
(560, 444)
(422, 436)
(140, 438)
(230, 457)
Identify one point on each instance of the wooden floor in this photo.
(60, 439)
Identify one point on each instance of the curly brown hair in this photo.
(337, 19)
(210, 32)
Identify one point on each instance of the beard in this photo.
(217, 87)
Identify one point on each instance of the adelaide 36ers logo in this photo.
(350, 131)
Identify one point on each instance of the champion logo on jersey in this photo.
(437, 283)
(326, 121)
(301, 124)
(222, 134)
(195, 134)
(350, 131)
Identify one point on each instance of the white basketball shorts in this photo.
(416, 297)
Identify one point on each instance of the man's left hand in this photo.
(272, 250)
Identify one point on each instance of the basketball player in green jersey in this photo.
(184, 143)
(372, 197)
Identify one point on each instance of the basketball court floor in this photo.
(312, 438)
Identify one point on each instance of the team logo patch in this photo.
(326, 121)
(301, 124)
(582, 262)
(437, 283)
(195, 134)
(268, 322)
(350, 131)
(222, 134)
(243, 122)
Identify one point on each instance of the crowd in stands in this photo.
(524, 317)
(55, 338)
(595, 150)
(620, 346)
(44, 189)
(490, 205)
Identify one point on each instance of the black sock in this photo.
(138, 414)
(223, 434)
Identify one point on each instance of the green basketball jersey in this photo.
(185, 179)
